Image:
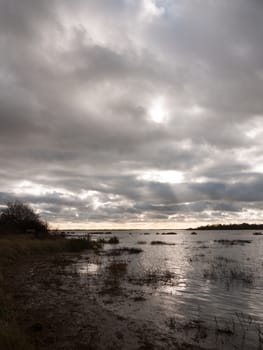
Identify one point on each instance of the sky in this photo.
(132, 113)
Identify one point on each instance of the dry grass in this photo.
(13, 248)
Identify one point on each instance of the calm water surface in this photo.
(195, 278)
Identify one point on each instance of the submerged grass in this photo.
(13, 249)
(232, 241)
(229, 271)
(153, 277)
(112, 240)
(118, 268)
(161, 243)
(124, 250)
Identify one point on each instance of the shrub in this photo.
(19, 217)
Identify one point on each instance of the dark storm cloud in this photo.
(100, 100)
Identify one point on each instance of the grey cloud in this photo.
(78, 82)
(21, 18)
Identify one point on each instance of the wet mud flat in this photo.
(59, 311)
(88, 301)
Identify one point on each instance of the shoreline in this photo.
(51, 310)
(63, 296)
(58, 313)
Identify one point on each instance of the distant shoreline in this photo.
(243, 226)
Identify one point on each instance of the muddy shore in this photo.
(57, 312)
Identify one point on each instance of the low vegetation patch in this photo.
(203, 246)
(224, 259)
(161, 243)
(79, 244)
(169, 233)
(124, 250)
(232, 241)
(228, 271)
(113, 240)
(112, 284)
(118, 267)
(171, 323)
(152, 277)
(13, 249)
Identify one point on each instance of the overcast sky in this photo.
(133, 113)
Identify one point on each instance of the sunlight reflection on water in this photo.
(198, 272)
(87, 268)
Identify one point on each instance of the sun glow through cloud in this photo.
(165, 176)
(158, 111)
(151, 10)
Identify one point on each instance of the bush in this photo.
(19, 217)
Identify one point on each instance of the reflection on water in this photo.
(87, 268)
(215, 273)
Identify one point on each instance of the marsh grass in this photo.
(152, 277)
(124, 250)
(80, 244)
(229, 271)
(171, 323)
(260, 337)
(14, 249)
(12, 337)
(203, 246)
(114, 240)
(116, 270)
(232, 241)
(224, 259)
(169, 233)
(234, 333)
(161, 243)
